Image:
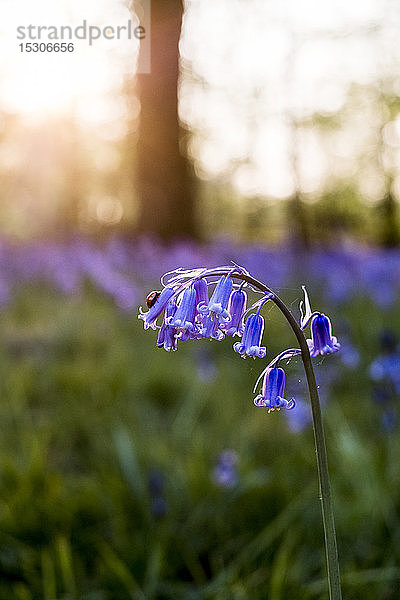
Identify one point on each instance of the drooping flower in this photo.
(150, 317)
(167, 336)
(251, 340)
(217, 306)
(183, 319)
(322, 341)
(236, 308)
(209, 328)
(273, 389)
(201, 287)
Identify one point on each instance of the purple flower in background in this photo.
(322, 341)
(251, 340)
(225, 471)
(389, 419)
(236, 309)
(217, 306)
(385, 369)
(158, 503)
(349, 354)
(273, 390)
(205, 364)
(167, 336)
(150, 317)
(300, 418)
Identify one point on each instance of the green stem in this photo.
(332, 559)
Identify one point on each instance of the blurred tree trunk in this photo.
(299, 227)
(389, 230)
(163, 176)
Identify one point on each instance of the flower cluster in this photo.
(190, 313)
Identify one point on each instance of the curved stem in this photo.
(319, 437)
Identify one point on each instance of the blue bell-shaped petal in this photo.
(217, 306)
(201, 287)
(209, 328)
(273, 390)
(322, 341)
(236, 309)
(167, 336)
(251, 340)
(183, 319)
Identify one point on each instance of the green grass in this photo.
(89, 408)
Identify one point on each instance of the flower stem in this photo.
(332, 559)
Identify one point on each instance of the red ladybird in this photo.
(152, 298)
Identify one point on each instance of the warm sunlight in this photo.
(61, 82)
(250, 71)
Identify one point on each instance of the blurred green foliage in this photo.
(89, 409)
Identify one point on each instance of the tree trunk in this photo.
(164, 182)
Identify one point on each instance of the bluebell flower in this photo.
(150, 317)
(300, 418)
(167, 336)
(251, 340)
(388, 341)
(273, 390)
(209, 328)
(201, 287)
(236, 309)
(205, 364)
(217, 306)
(389, 419)
(159, 505)
(183, 319)
(225, 471)
(386, 369)
(322, 341)
(349, 354)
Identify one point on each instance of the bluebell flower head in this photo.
(251, 340)
(156, 482)
(386, 370)
(237, 306)
(273, 390)
(167, 336)
(349, 355)
(205, 364)
(150, 317)
(225, 471)
(322, 341)
(389, 419)
(388, 341)
(159, 505)
(300, 418)
(209, 328)
(183, 319)
(217, 306)
(201, 287)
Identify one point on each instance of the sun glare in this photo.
(251, 69)
(42, 82)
